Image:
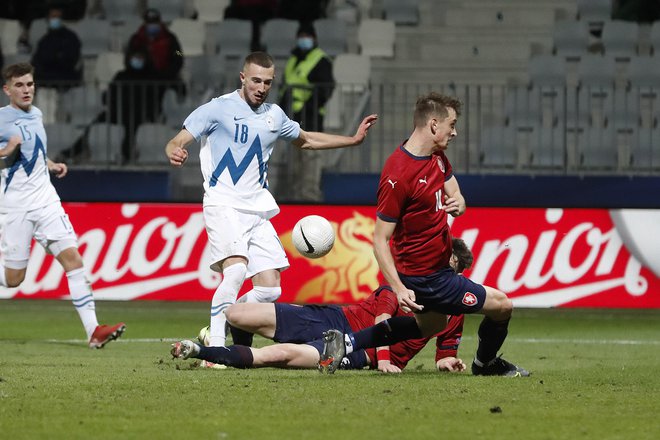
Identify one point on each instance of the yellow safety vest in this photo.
(296, 78)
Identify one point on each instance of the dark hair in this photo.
(464, 257)
(16, 70)
(151, 15)
(434, 104)
(260, 59)
(306, 28)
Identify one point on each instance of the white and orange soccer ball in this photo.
(313, 236)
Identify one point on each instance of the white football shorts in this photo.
(49, 226)
(233, 232)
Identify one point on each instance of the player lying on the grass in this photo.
(299, 329)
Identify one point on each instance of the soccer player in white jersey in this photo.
(31, 206)
(238, 132)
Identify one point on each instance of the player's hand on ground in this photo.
(451, 364)
(365, 125)
(178, 157)
(388, 367)
(58, 169)
(407, 302)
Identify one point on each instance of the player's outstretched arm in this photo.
(57, 168)
(315, 140)
(176, 148)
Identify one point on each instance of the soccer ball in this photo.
(204, 336)
(313, 236)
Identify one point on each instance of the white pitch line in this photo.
(468, 338)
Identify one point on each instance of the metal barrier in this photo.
(502, 129)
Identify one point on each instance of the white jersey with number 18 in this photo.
(237, 142)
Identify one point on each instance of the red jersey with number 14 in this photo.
(410, 193)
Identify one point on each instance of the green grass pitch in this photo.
(596, 375)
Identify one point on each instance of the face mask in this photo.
(153, 29)
(137, 63)
(55, 23)
(305, 43)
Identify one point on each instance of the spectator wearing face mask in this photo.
(133, 98)
(56, 60)
(161, 46)
(308, 84)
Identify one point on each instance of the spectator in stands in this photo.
(258, 11)
(161, 45)
(308, 84)
(133, 97)
(57, 59)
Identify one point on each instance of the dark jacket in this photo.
(57, 57)
(164, 51)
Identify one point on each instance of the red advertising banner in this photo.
(540, 257)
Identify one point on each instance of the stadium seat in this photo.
(655, 37)
(547, 147)
(401, 12)
(278, 35)
(190, 34)
(150, 141)
(498, 147)
(522, 106)
(547, 70)
(352, 72)
(570, 38)
(594, 11)
(94, 34)
(645, 151)
(38, 28)
(230, 37)
(169, 9)
(331, 34)
(106, 67)
(210, 11)
(599, 150)
(620, 39)
(120, 11)
(61, 137)
(10, 30)
(104, 142)
(81, 105)
(376, 38)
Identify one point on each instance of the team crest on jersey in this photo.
(469, 299)
(441, 164)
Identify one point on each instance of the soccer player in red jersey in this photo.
(302, 328)
(413, 246)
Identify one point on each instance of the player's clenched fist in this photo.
(178, 156)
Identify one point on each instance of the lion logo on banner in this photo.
(349, 268)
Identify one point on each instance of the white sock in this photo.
(224, 296)
(260, 294)
(3, 277)
(348, 342)
(83, 299)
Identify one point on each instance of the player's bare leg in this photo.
(258, 318)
